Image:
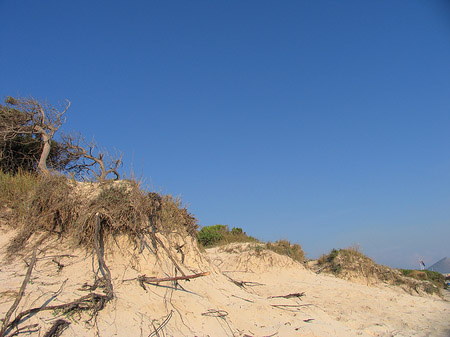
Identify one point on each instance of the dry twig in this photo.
(294, 295)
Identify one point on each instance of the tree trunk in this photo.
(42, 166)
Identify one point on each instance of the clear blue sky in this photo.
(323, 122)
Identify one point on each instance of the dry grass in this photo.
(15, 188)
(56, 204)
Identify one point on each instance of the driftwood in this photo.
(150, 280)
(57, 328)
(19, 295)
(294, 295)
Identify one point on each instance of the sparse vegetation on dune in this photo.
(352, 264)
(218, 235)
(284, 247)
(426, 275)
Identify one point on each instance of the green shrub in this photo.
(237, 231)
(210, 236)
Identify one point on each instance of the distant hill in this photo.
(442, 266)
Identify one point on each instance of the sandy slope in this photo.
(214, 305)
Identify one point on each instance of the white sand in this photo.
(333, 307)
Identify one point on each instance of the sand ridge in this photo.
(238, 298)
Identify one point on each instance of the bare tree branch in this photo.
(89, 159)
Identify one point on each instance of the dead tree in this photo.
(89, 159)
(31, 117)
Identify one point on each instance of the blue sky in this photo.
(323, 122)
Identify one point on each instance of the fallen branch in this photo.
(19, 295)
(57, 328)
(308, 320)
(146, 279)
(297, 295)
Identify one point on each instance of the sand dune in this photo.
(240, 296)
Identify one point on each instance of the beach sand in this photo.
(239, 297)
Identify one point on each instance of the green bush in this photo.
(211, 235)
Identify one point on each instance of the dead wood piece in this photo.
(215, 313)
(297, 295)
(308, 320)
(19, 295)
(146, 279)
(57, 328)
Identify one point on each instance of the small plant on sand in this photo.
(284, 247)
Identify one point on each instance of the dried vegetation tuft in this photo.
(59, 205)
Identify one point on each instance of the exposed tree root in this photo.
(19, 295)
(57, 328)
